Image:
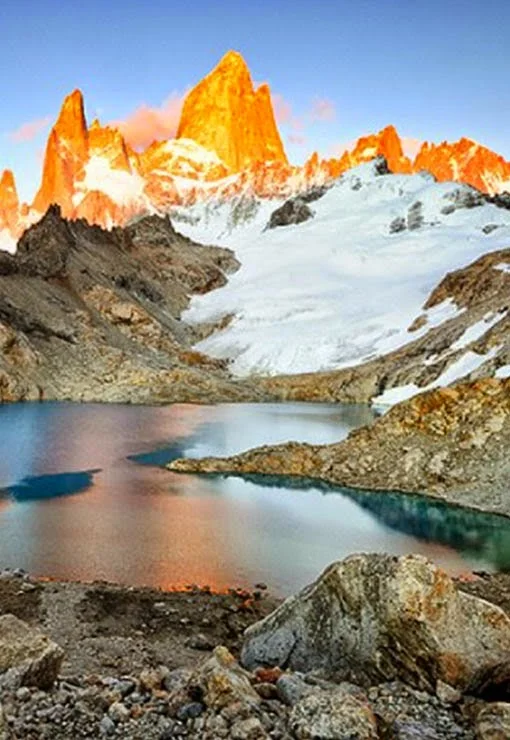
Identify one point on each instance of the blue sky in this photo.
(435, 69)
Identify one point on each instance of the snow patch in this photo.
(477, 330)
(7, 242)
(120, 186)
(461, 368)
(503, 372)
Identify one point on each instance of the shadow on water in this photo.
(466, 530)
(37, 487)
(161, 456)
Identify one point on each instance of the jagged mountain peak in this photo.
(225, 114)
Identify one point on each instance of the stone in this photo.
(371, 618)
(199, 642)
(35, 658)
(190, 711)
(447, 694)
(293, 211)
(151, 679)
(333, 715)
(107, 726)
(248, 729)
(177, 679)
(291, 688)
(493, 722)
(222, 681)
(118, 712)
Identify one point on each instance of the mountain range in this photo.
(227, 144)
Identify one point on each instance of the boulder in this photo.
(221, 681)
(493, 722)
(333, 715)
(31, 654)
(373, 618)
(293, 211)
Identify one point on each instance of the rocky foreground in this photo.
(376, 648)
(449, 443)
(88, 314)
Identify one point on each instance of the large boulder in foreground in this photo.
(373, 618)
(31, 654)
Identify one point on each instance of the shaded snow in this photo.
(461, 368)
(7, 242)
(477, 330)
(338, 289)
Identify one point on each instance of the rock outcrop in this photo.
(450, 443)
(27, 655)
(371, 618)
(92, 314)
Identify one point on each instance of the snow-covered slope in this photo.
(344, 286)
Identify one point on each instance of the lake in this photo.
(84, 495)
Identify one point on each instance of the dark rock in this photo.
(381, 166)
(190, 711)
(291, 688)
(293, 211)
(398, 224)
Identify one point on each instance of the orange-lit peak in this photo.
(224, 114)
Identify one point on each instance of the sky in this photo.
(338, 69)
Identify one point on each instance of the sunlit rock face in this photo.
(466, 161)
(225, 114)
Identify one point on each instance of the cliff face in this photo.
(226, 115)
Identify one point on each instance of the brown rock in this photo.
(34, 656)
(493, 722)
(374, 617)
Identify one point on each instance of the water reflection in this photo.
(485, 536)
(84, 498)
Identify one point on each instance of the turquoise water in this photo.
(83, 495)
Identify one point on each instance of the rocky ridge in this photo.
(89, 314)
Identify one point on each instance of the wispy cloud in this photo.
(29, 130)
(147, 124)
(319, 110)
(322, 110)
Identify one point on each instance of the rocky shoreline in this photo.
(100, 660)
(448, 443)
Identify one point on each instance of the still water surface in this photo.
(83, 496)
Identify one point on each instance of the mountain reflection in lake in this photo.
(82, 497)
